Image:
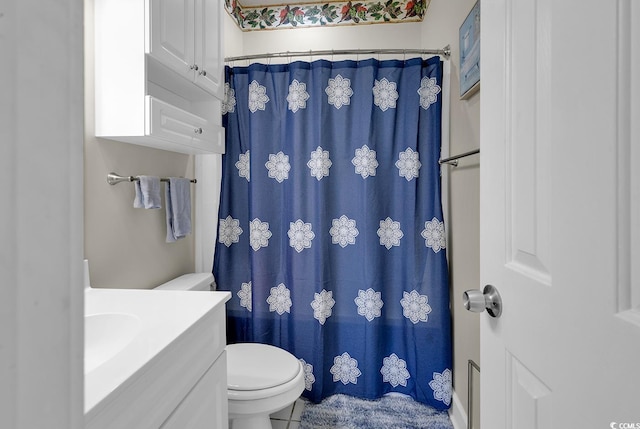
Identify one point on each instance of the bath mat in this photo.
(388, 412)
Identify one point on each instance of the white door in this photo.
(560, 213)
(172, 30)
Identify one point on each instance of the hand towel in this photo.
(147, 193)
(178, 201)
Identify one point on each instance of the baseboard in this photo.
(457, 414)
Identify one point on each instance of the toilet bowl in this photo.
(261, 379)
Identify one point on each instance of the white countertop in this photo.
(164, 316)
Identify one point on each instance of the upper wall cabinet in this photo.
(184, 37)
(158, 73)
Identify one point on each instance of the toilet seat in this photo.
(253, 367)
(297, 384)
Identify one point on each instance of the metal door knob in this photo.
(488, 299)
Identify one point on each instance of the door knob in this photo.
(488, 299)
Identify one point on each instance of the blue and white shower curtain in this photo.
(331, 235)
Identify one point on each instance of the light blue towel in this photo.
(178, 200)
(147, 193)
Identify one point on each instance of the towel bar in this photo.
(114, 178)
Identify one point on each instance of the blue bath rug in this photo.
(388, 412)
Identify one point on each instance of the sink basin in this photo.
(135, 342)
(105, 335)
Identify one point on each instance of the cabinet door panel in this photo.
(205, 407)
(172, 27)
(208, 46)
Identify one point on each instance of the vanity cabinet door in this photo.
(206, 404)
(172, 35)
(208, 47)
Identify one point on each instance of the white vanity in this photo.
(155, 359)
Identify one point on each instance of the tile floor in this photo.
(288, 418)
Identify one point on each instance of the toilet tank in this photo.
(193, 281)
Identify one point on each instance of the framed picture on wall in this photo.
(470, 53)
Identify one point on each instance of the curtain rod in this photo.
(444, 52)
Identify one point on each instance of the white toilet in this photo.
(261, 379)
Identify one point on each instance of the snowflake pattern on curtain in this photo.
(280, 299)
(343, 231)
(298, 96)
(300, 235)
(385, 94)
(278, 166)
(258, 97)
(433, 234)
(365, 162)
(319, 163)
(229, 231)
(229, 99)
(442, 387)
(339, 91)
(319, 201)
(428, 91)
(415, 307)
(389, 233)
(259, 234)
(245, 296)
(309, 378)
(369, 304)
(244, 165)
(345, 369)
(408, 164)
(322, 304)
(394, 371)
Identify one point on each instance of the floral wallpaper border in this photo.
(326, 14)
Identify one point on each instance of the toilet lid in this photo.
(252, 366)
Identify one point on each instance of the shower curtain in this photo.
(330, 232)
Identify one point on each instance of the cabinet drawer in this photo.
(167, 122)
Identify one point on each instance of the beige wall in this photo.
(125, 246)
(438, 29)
(463, 215)
(341, 37)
